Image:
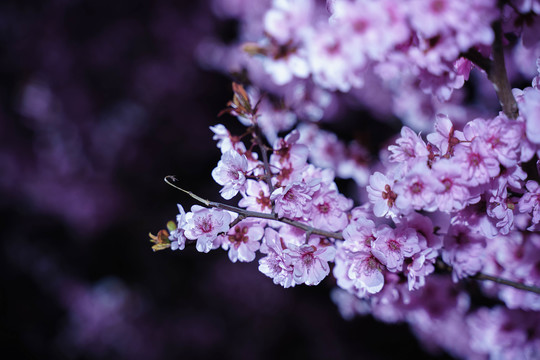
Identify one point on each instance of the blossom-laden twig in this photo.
(163, 243)
(243, 213)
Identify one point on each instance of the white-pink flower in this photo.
(477, 164)
(445, 136)
(177, 237)
(329, 210)
(256, 197)
(293, 201)
(231, 173)
(381, 195)
(392, 246)
(358, 271)
(310, 262)
(275, 264)
(204, 225)
(243, 240)
(417, 190)
(410, 149)
(454, 195)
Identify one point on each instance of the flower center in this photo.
(323, 208)
(417, 187)
(393, 245)
(389, 195)
(206, 225)
(239, 237)
(289, 196)
(263, 200)
(447, 183)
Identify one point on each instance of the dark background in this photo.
(100, 100)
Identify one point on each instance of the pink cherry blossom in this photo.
(225, 141)
(418, 190)
(359, 234)
(454, 195)
(410, 149)
(358, 271)
(177, 237)
(310, 262)
(445, 137)
(501, 208)
(381, 195)
(231, 173)
(276, 264)
(477, 164)
(204, 225)
(392, 246)
(329, 210)
(419, 266)
(289, 152)
(530, 109)
(293, 201)
(256, 197)
(243, 240)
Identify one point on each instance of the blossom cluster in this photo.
(464, 199)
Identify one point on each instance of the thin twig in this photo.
(511, 283)
(498, 76)
(480, 276)
(255, 214)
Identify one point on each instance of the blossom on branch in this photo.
(204, 225)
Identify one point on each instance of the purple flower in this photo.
(501, 207)
(529, 108)
(359, 234)
(464, 251)
(289, 152)
(445, 137)
(454, 195)
(419, 266)
(358, 271)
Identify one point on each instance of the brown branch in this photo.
(511, 283)
(496, 72)
(498, 76)
(480, 276)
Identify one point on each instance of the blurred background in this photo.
(100, 100)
